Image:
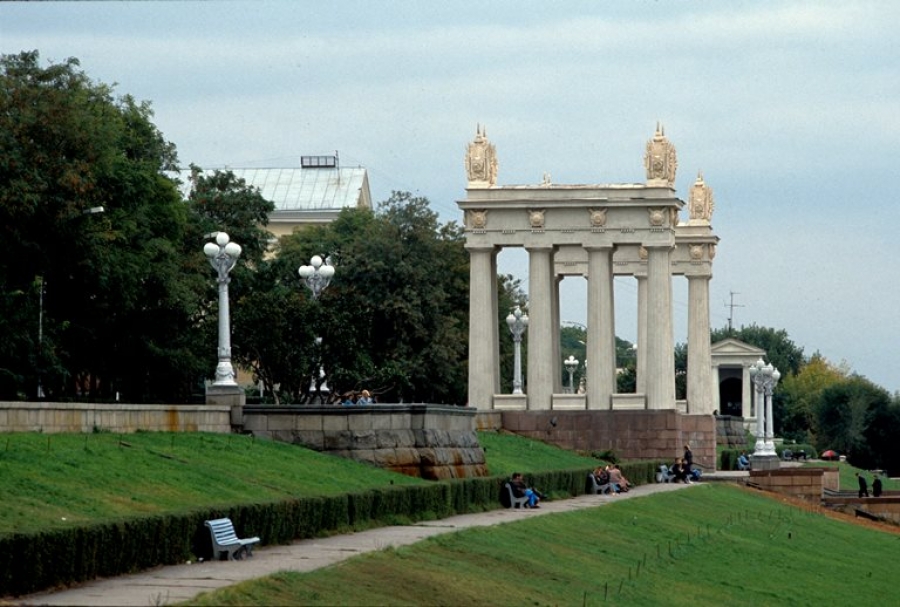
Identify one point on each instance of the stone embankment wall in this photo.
(730, 432)
(112, 417)
(805, 483)
(632, 435)
(428, 441)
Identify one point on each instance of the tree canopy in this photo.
(94, 303)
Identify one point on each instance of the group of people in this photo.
(352, 398)
(612, 475)
(682, 468)
(864, 486)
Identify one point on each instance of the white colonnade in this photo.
(599, 232)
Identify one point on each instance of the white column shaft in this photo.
(542, 369)
(483, 370)
(699, 380)
(660, 379)
(601, 338)
(641, 362)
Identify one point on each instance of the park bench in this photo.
(664, 474)
(225, 540)
(516, 502)
(595, 488)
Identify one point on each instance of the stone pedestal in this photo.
(764, 462)
(231, 396)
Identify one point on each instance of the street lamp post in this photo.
(571, 364)
(518, 323)
(317, 276)
(770, 421)
(764, 377)
(223, 255)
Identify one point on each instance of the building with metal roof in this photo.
(313, 193)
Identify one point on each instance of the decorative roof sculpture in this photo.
(660, 160)
(701, 202)
(481, 161)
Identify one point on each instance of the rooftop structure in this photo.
(313, 193)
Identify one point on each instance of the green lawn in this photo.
(715, 544)
(508, 453)
(53, 480)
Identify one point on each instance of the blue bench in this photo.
(225, 540)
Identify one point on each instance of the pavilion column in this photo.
(484, 380)
(601, 329)
(699, 379)
(748, 409)
(556, 356)
(541, 367)
(641, 361)
(714, 378)
(660, 376)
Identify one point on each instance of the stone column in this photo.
(660, 374)
(484, 379)
(714, 378)
(699, 379)
(557, 357)
(601, 323)
(747, 391)
(641, 362)
(541, 366)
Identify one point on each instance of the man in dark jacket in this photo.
(863, 486)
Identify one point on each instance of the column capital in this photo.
(540, 247)
(599, 247)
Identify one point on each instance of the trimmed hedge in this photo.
(34, 562)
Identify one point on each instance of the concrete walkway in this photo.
(167, 585)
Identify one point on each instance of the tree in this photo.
(110, 294)
(394, 319)
(844, 412)
(802, 392)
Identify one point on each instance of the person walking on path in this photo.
(863, 486)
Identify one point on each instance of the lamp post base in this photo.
(764, 462)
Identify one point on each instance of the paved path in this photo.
(166, 585)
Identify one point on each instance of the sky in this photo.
(791, 110)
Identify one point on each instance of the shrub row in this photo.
(38, 561)
(728, 459)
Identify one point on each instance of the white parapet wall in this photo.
(112, 417)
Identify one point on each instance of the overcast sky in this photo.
(791, 109)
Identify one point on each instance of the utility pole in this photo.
(731, 306)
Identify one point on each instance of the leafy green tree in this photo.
(108, 293)
(844, 412)
(395, 318)
(882, 428)
(802, 392)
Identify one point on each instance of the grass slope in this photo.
(712, 544)
(53, 480)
